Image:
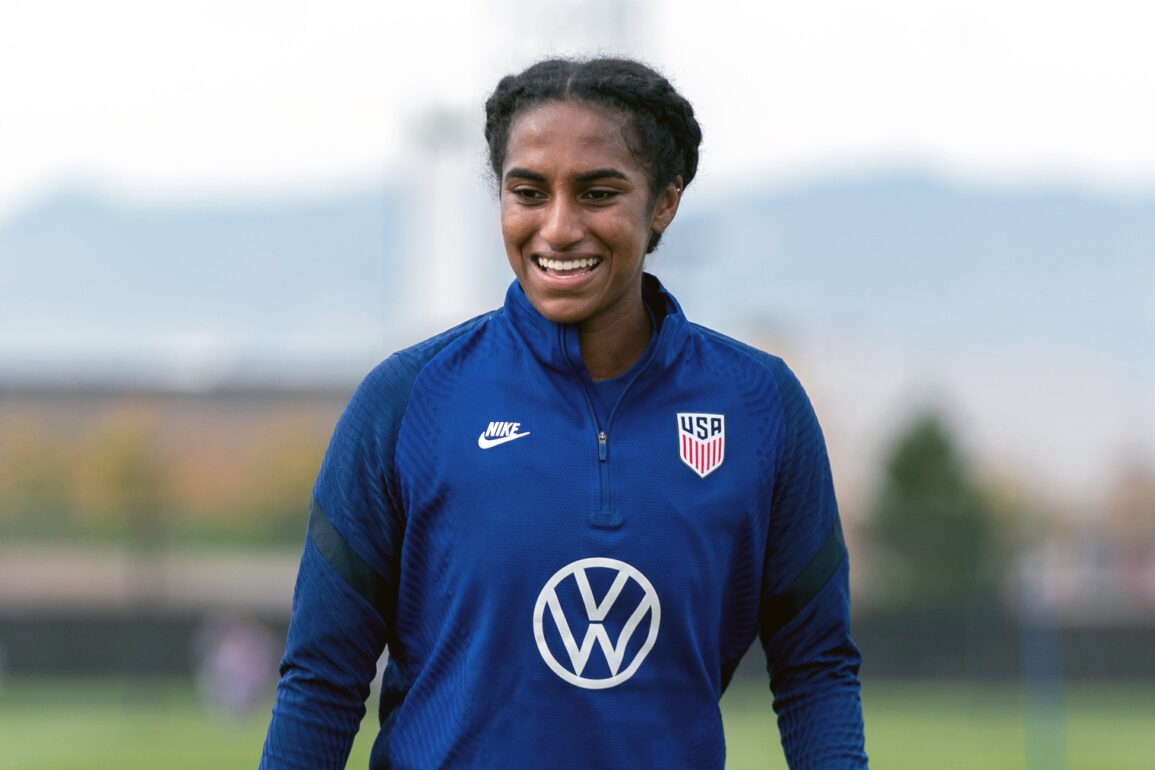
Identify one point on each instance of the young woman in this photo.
(569, 518)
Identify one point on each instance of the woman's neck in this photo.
(611, 346)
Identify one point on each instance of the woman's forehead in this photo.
(568, 131)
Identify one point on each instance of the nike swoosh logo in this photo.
(486, 443)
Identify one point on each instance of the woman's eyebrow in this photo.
(524, 173)
(601, 173)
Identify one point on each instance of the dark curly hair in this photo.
(663, 133)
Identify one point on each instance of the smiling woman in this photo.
(643, 499)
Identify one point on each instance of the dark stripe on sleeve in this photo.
(781, 609)
(361, 577)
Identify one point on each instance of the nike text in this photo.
(499, 433)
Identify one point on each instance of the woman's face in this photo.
(576, 213)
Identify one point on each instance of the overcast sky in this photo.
(226, 98)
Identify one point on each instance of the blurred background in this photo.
(216, 217)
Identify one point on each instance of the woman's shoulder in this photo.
(400, 369)
(383, 394)
(761, 372)
(743, 353)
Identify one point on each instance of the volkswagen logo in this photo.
(627, 609)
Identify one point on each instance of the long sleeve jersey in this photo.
(563, 585)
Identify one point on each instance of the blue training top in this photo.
(561, 589)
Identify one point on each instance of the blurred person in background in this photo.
(236, 659)
(569, 518)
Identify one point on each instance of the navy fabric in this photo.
(344, 560)
(542, 574)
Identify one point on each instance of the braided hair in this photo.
(663, 133)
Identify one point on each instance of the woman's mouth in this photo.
(567, 268)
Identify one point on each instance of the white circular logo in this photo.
(628, 584)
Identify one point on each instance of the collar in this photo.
(556, 345)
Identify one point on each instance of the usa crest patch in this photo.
(702, 441)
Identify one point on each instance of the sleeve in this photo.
(804, 618)
(345, 595)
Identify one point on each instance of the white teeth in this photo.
(569, 264)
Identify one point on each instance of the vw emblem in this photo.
(628, 608)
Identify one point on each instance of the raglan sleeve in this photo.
(345, 595)
(804, 617)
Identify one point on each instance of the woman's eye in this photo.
(527, 194)
(601, 196)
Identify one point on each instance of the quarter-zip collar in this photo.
(557, 346)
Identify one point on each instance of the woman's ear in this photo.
(666, 206)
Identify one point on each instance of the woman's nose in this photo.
(563, 223)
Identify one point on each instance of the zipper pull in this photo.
(602, 445)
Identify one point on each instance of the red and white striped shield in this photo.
(702, 441)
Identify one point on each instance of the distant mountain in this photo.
(913, 258)
(88, 279)
(900, 257)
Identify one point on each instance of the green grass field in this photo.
(69, 725)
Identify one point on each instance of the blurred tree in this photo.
(935, 528)
(162, 467)
(118, 478)
(33, 496)
(289, 451)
